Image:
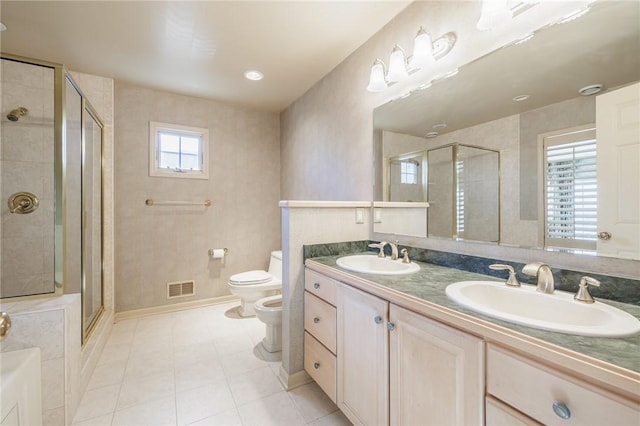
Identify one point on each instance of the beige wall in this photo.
(160, 244)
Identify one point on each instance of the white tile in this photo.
(186, 355)
(277, 409)
(198, 374)
(312, 402)
(114, 352)
(233, 344)
(254, 385)
(227, 418)
(200, 403)
(96, 421)
(53, 417)
(145, 345)
(136, 392)
(148, 366)
(158, 412)
(97, 402)
(240, 362)
(190, 336)
(337, 418)
(107, 374)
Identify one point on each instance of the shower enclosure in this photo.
(51, 187)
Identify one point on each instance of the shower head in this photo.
(15, 114)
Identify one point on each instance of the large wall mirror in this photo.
(524, 102)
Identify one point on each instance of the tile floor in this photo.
(195, 367)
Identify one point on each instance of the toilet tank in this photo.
(275, 264)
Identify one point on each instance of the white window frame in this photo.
(154, 151)
(561, 137)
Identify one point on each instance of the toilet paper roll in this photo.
(217, 253)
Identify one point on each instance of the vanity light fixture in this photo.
(253, 75)
(425, 52)
(493, 13)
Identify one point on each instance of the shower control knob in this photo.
(316, 285)
(316, 365)
(316, 320)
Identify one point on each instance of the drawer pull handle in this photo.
(316, 365)
(561, 410)
(316, 285)
(377, 319)
(391, 326)
(316, 320)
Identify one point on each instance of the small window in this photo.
(409, 173)
(571, 190)
(178, 151)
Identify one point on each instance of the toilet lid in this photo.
(251, 277)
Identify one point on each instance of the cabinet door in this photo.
(436, 372)
(362, 358)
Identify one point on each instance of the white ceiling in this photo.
(199, 48)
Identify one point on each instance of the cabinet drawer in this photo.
(320, 285)
(320, 364)
(320, 320)
(533, 389)
(499, 414)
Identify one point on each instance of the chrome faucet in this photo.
(394, 250)
(544, 274)
(380, 246)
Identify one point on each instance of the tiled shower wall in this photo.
(27, 165)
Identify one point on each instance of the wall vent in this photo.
(181, 289)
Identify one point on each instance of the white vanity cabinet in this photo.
(397, 367)
(543, 394)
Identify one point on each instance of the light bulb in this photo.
(377, 82)
(422, 50)
(397, 65)
(494, 13)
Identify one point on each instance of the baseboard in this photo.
(292, 381)
(135, 313)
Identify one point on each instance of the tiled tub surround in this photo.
(610, 363)
(427, 287)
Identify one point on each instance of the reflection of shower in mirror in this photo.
(15, 114)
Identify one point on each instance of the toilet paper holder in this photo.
(215, 253)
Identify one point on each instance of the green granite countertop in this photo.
(430, 282)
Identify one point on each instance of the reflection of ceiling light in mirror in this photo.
(253, 75)
(3, 27)
(521, 98)
(493, 14)
(431, 135)
(574, 15)
(439, 126)
(591, 89)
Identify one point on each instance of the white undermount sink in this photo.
(555, 312)
(372, 264)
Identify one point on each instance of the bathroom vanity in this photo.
(395, 350)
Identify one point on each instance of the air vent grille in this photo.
(181, 289)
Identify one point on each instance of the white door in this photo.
(618, 152)
(363, 357)
(436, 372)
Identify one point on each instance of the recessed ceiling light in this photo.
(521, 98)
(253, 75)
(431, 135)
(590, 90)
(3, 27)
(439, 126)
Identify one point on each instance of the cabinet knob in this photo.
(316, 320)
(316, 285)
(316, 365)
(561, 410)
(377, 319)
(391, 326)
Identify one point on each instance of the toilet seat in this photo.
(251, 278)
(269, 304)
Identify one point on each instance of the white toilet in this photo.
(253, 285)
(269, 311)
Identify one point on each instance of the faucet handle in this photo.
(583, 294)
(380, 246)
(405, 255)
(512, 281)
